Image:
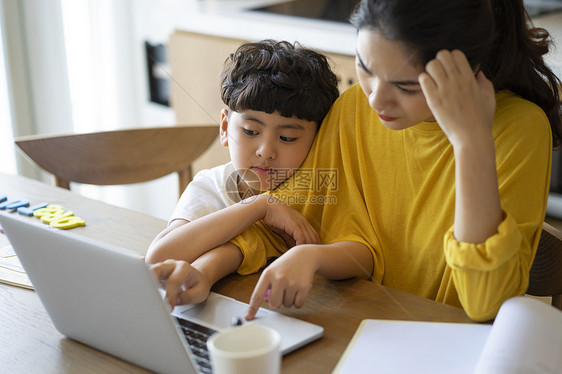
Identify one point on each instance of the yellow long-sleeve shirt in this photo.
(394, 191)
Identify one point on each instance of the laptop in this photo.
(106, 297)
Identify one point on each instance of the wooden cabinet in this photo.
(196, 61)
(344, 66)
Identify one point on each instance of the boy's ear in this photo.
(224, 127)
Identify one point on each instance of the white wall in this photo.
(79, 65)
(37, 83)
(107, 42)
(7, 154)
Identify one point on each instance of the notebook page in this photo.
(383, 346)
(526, 338)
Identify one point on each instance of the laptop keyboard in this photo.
(197, 336)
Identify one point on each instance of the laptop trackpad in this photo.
(217, 312)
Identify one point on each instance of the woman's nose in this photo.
(380, 97)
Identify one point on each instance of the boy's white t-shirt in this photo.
(210, 190)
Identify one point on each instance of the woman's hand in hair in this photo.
(462, 102)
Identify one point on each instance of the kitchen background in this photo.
(82, 65)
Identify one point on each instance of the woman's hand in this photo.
(291, 225)
(183, 283)
(286, 281)
(463, 104)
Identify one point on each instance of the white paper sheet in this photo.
(526, 338)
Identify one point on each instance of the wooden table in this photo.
(29, 343)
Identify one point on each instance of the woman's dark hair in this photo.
(271, 76)
(497, 36)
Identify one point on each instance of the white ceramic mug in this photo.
(245, 349)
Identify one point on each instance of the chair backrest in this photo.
(121, 156)
(546, 272)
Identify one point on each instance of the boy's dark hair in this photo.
(277, 76)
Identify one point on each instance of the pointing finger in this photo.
(259, 294)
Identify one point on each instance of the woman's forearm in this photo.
(477, 207)
(344, 260)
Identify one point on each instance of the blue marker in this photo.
(28, 211)
(3, 198)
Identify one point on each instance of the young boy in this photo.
(276, 95)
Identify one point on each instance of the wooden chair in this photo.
(546, 272)
(121, 156)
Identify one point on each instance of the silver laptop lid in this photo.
(106, 299)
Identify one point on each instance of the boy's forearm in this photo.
(191, 240)
(219, 262)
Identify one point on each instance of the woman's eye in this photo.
(287, 139)
(250, 132)
(407, 91)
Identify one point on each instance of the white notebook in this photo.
(526, 337)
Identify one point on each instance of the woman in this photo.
(438, 162)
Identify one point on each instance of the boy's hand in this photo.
(184, 284)
(286, 281)
(291, 225)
